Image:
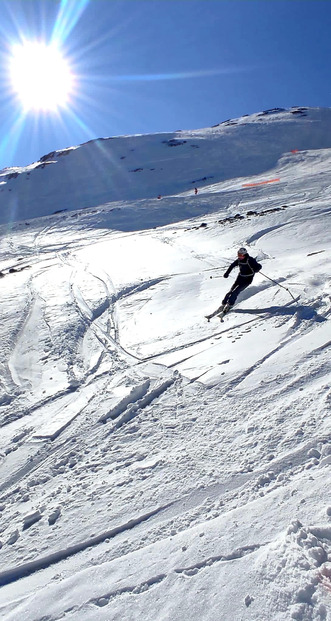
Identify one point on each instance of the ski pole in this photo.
(279, 285)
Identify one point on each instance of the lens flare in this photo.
(40, 76)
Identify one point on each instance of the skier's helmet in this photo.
(242, 252)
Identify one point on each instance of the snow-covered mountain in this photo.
(139, 167)
(154, 466)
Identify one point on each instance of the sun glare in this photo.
(40, 76)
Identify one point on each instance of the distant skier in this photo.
(195, 190)
(248, 266)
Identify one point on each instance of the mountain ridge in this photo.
(137, 167)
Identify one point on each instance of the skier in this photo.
(248, 266)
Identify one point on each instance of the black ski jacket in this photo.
(247, 266)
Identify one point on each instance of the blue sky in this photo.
(162, 65)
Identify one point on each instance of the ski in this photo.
(220, 312)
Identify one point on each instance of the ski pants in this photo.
(238, 286)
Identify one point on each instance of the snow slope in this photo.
(154, 466)
(140, 167)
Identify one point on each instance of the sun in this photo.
(40, 76)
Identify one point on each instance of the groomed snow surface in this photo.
(154, 466)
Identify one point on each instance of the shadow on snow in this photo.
(300, 311)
